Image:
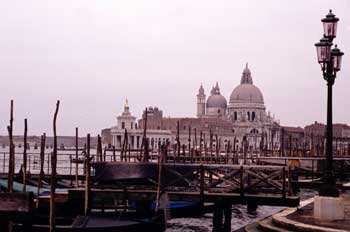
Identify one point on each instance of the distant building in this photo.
(315, 135)
(245, 114)
(243, 120)
(126, 125)
(292, 138)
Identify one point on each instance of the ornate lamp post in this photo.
(330, 61)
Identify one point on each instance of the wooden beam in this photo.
(144, 194)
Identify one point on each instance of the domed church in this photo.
(242, 121)
(246, 111)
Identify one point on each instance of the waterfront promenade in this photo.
(302, 219)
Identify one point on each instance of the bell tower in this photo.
(201, 102)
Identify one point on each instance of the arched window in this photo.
(248, 116)
(235, 116)
(253, 116)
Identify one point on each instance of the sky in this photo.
(93, 55)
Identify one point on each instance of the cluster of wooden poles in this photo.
(11, 166)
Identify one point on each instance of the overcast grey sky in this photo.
(92, 55)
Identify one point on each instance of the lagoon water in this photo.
(240, 218)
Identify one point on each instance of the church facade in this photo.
(246, 112)
(242, 119)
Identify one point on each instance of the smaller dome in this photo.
(216, 101)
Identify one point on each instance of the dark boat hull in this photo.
(104, 223)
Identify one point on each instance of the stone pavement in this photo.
(301, 219)
(305, 216)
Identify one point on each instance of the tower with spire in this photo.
(126, 120)
(201, 102)
(246, 76)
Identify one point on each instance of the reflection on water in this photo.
(240, 217)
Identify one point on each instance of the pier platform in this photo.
(301, 219)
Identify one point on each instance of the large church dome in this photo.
(246, 92)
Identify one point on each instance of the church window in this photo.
(253, 116)
(235, 116)
(218, 111)
(132, 125)
(248, 116)
(123, 125)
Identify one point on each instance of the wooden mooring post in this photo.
(217, 149)
(178, 139)
(76, 157)
(53, 173)
(160, 174)
(222, 210)
(114, 157)
(144, 139)
(99, 154)
(189, 144)
(42, 161)
(284, 183)
(201, 184)
(11, 165)
(201, 146)
(25, 156)
(195, 138)
(87, 178)
(234, 151)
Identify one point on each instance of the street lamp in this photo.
(330, 61)
(330, 25)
